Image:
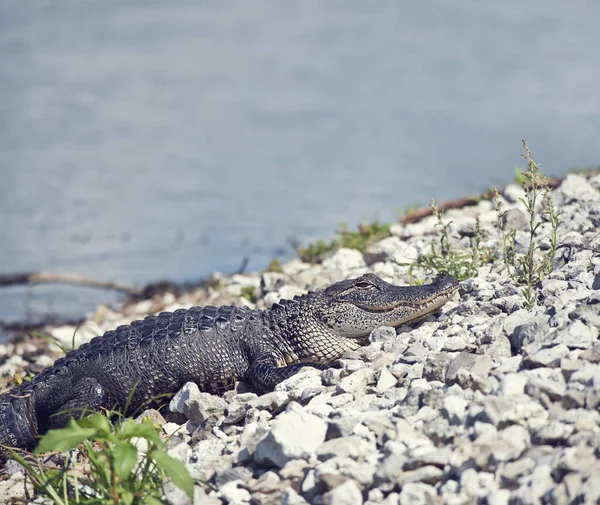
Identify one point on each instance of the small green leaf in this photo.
(151, 500)
(51, 340)
(125, 458)
(64, 439)
(145, 429)
(175, 470)
(126, 497)
(97, 421)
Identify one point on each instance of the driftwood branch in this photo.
(459, 203)
(29, 278)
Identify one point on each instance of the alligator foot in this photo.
(265, 376)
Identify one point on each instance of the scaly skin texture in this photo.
(139, 364)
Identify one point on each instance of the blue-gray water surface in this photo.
(166, 140)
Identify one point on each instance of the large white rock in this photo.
(295, 434)
(345, 259)
(347, 493)
(576, 188)
(71, 337)
(295, 385)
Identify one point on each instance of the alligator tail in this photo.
(18, 424)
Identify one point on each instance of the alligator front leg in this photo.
(265, 374)
(88, 396)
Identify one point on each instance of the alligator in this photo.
(142, 363)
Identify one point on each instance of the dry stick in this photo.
(459, 203)
(47, 277)
(63, 278)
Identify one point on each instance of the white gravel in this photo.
(484, 402)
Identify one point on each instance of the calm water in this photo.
(150, 140)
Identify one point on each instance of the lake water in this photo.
(151, 140)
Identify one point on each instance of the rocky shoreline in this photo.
(484, 402)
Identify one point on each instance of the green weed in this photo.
(445, 259)
(52, 341)
(530, 268)
(363, 237)
(249, 293)
(526, 270)
(18, 379)
(315, 252)
(274, 266)
(112, 472)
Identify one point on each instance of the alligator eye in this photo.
(364, 285)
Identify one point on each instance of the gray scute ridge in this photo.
(140, 364)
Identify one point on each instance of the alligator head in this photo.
(354, 307)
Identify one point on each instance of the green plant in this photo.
(530, 268)
(519, 177)
(18, 379)
(52, 341)
(526, 270)
(315, 251)
(446, 260)
(249, 293)
(112, 471)
(363, 237)
(274, 266)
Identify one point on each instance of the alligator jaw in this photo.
(421, 299)
(358, 306)
(423, 307)
(414, 302)
(419, 310)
